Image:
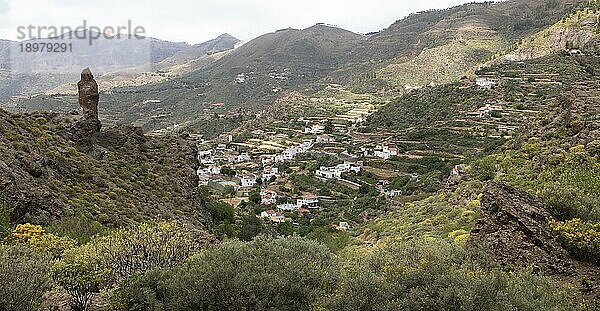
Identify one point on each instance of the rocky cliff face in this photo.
(573, 32)
(513, 228)
(117, 176)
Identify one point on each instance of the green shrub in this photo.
(263, 274)
(439, 275)
(25, 278)
(105, 261)
(485, 169)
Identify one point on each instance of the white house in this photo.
(291, 152)
(574, 52)
(211, 170)
(343, 226)
(247, 181)
(385, 152)
(337, 171)
(485, 83)
(270, 172)
(316, 129)
(273, 216)
(267, 159)
(310, 201)
(241, 78)
(323, 139)
(328, 173)
(487, 110)
(244, 157)
(287, 207)
(393, 193)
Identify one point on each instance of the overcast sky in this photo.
(195, 21)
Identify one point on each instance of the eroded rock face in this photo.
(88, 100)
(513, 228)
(88, 93)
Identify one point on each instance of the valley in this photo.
(448, 162)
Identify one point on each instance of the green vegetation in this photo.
(263, 274)
(439, 216)
(25, 278)
(439, 276)
(116, 177)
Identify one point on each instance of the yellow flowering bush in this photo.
(581, 238)
(26, 232)
(35, 237)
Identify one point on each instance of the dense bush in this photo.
(565, 203)
(25, 278)
(439, 276)
(485, 169)
(263, 274)
(582, 239)
(104, 261)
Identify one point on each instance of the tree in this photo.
(251, 227)
(255, 198)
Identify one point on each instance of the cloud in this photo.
(197, 21)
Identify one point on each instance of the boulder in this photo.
(513, 228)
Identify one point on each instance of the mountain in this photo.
(128, 57)
(251, 76)
(440, 46)
(429, 47)
(221, 43)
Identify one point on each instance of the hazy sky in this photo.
(200, 20)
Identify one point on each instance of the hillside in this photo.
(437, 46)
(443, 45)
(429, 47)
(552, 155)
(116, 177)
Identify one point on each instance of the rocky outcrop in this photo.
(88, 100)
(117, 177)
(513, 229)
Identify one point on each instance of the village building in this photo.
(488, 111)
(328, 173)
(485, 82)
(316, 129)
(269, 172)
(241, 78)
(268, 197)
(337, 171)
(273, 216)
(309, 201)
(267, 159)
(324, 139)
(247, 181)
(393, 193)
(575, 52)
(243, 157)
(287, 207)
(291, 152)
(385, 152)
